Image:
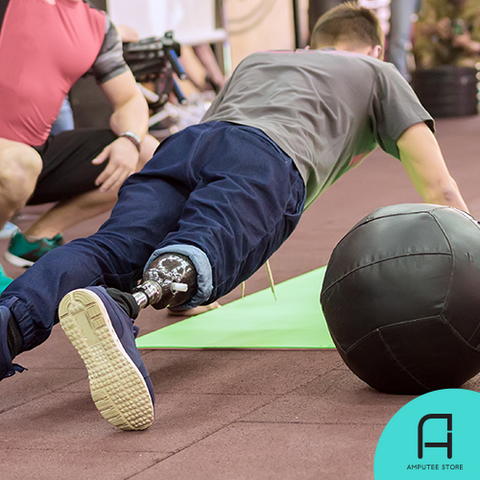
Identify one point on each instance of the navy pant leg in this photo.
(247, 201)
(225, 189)
(149, 206)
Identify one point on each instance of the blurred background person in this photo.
(399, 44)
(447, 33)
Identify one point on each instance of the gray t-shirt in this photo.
(325, 108)
(109, 62)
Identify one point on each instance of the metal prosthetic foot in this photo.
(169, 281)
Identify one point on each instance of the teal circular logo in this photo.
(435, 436)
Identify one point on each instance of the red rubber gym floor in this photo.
(226, 414)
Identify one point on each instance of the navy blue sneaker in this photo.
(7, 368)
(104, 336)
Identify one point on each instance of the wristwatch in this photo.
(133, 137)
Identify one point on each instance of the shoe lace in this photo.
(15, 368)
(136, 331)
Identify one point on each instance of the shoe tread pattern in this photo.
(117, 387)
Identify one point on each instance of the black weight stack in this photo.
(447, 91)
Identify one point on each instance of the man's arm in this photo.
(130, 114)
(423, 161)
(130, 109)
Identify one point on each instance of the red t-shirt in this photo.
(44, 49)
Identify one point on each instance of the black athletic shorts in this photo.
(67, 164)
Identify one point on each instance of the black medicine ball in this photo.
(401, 298)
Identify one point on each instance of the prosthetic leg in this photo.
(168, 282)
(100, 326)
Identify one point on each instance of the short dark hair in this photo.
(349, 23)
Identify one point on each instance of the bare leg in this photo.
(83, 207)
(208, 60)
(64, 215)
(20, 166)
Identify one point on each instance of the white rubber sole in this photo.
(17, 261)
(191, 312)
(118, 388)
(8, 231)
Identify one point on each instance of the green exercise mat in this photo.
(294, 320)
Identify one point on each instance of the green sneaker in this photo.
(4, 280)
(23, 253)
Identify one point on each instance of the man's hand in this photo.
(465, 41)
(444, 28)
(130, 114)
(462, 41)
(122, 159)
